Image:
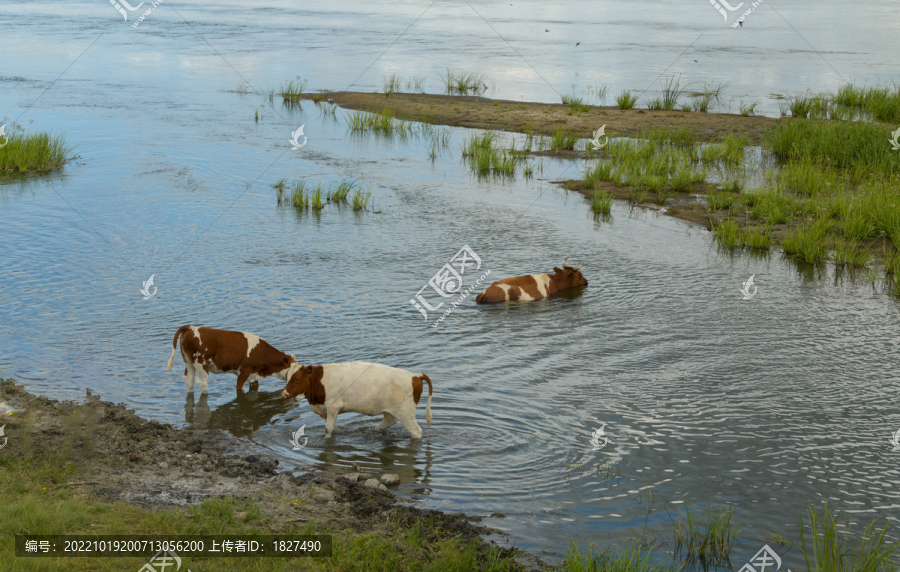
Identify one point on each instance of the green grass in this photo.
(576, 104)
(563, 140)
(847, 253)
(728, 234)
(671, 93)
(342, 189)
(832, 546)
(464, 82)
(625, 100)
(600, 171)
(601, 202)
(807, 243)
(701, 103)
(361, 198)
(392, 83)
(32, 152)
(707, 538)
(720, 201)
(655, 104)
(415, 83)
(292, 90)
(578, 560)
(800, 106)
(748, 109)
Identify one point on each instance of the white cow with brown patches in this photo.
(533, 287)
(360, 387)
(207, 350)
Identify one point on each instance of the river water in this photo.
(764, 405)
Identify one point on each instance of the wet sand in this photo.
(478, 112)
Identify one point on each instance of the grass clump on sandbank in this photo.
(26, 152)
(292, 90)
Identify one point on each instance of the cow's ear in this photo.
(557, 270)
(286, 361)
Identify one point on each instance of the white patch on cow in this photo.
(370, 389)
(543, 284)
(523, 295)
(505, 288)
(252, 342)
(196, 331)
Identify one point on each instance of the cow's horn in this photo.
(579, 268)
(564, 261)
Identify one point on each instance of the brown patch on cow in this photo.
(417, 388)
(316, 393)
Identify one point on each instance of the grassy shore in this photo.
(28, 152)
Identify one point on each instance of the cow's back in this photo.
(365, 387)
(225, 348)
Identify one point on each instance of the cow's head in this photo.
(570, 277)
(302, 381)
(288, 366)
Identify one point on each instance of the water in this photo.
(763, 405)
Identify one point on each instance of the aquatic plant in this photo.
(799, 105)
(655, 104)
(392, 83)
(714, 91)
(671, 93)
(342, 189)
(728, 234)
(834, 548)
(625, 100)
(292, 90)
(243, 88)
(635, 560)
(415, 83)
(847, 253)
(600, 171)
(32, 152)
(757, 239)
(361, 198)
(464, 82)
(807, 242)
(315, 199)
(601, 201)
(563, 140)
(701, 103)
(719, 201)
(576, 104)
(748, 109)
(711, 545)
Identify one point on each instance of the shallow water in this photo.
(763, 405)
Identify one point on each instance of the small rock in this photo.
(390, 479)
(357, 477)
(322, 495)
(164, 465)
(375, 484)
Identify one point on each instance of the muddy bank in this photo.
(123, 457)
(544, 118)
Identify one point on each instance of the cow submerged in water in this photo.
(207, 350)
(533, 287)
(360, 387)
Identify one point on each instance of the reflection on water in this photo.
(242, 417)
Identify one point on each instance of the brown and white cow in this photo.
(533, 287)
(360, 387)
(207, 350)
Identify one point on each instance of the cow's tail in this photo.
(480, 297)
(180, 331)
(428, 403)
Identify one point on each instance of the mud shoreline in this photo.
(124, 458)
(478, 112)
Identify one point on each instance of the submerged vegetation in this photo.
(31, 152)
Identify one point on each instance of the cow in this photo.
(533, 287)
(360, 387)
(207, 350)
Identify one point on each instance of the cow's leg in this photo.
(242, 378)
(189, 373)
(388, 421)
(254, 381)
(407, 416)
(202, 377)
(332, 413)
